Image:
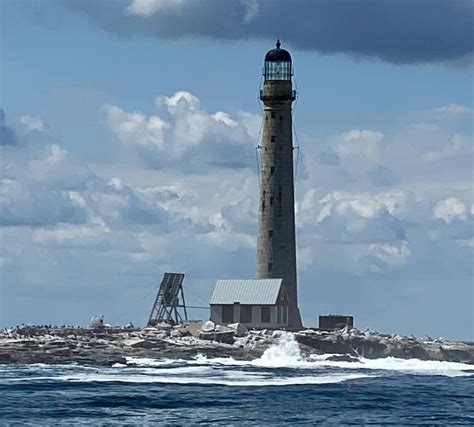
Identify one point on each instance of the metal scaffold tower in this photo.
(169, 299)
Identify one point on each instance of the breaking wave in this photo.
(287, 354)
(280, 365)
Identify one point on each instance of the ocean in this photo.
(280, 388)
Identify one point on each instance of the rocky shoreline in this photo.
(112, 345)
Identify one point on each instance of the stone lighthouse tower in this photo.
(276, 242)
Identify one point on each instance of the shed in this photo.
(256, 303)
(332, 322)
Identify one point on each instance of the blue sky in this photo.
(125, 132)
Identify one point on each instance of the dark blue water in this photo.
(271, 391)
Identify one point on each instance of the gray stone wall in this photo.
(276, 240)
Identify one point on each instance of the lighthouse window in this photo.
(273, 114)
(270, 266)
(272, 170)
(273, 138)
(270, 233)
(272, 200)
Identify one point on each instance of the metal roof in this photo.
(246, 291)
(278, 54)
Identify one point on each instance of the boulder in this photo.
(223, 328)
(239, 329)
(193, 326)
(208, 326)
(163, 326)
(180, 332)
(226, 337)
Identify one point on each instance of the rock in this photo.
(193, 326)
(239, 329)
(178, 333)
(226, 337)
(277, 334)
(147, 344)
(342, 358)
(208, 326)
(103, 347)
(163, 326)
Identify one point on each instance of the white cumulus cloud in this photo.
(182, 131)
(147, 8)
(450, 209)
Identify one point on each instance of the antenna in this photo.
(170, 297)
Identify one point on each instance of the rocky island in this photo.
(112, 345)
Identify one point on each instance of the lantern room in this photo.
(277, 64)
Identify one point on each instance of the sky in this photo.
(128, 133)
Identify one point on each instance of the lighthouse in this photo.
(276, 240)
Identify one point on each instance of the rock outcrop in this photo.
(110, 345)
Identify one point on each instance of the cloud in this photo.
(457, 144)
(182, 133)
(150, 7)
(7, 134)
(329, 158)
(357, 142)
(354, 218)
(450, 209)
(32, 124)
(453, 111)
(391, 254)
(381, 224)
(400, 32)
(23, 204)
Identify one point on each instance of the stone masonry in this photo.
(276, 242)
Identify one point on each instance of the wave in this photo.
(236, 379)
(286, 354)
(282, 364)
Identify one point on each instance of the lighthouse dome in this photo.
(277, 64)
(278, 54)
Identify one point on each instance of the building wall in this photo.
(216, 317)
(276, 245)
(216, 314)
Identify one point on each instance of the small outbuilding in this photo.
(332, 322)
(256, 303)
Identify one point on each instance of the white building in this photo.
(256, 303)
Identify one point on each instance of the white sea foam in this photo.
(286, 354)
(413, 366)
(236, 378)
(280, 365)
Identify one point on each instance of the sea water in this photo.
(280, 388)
